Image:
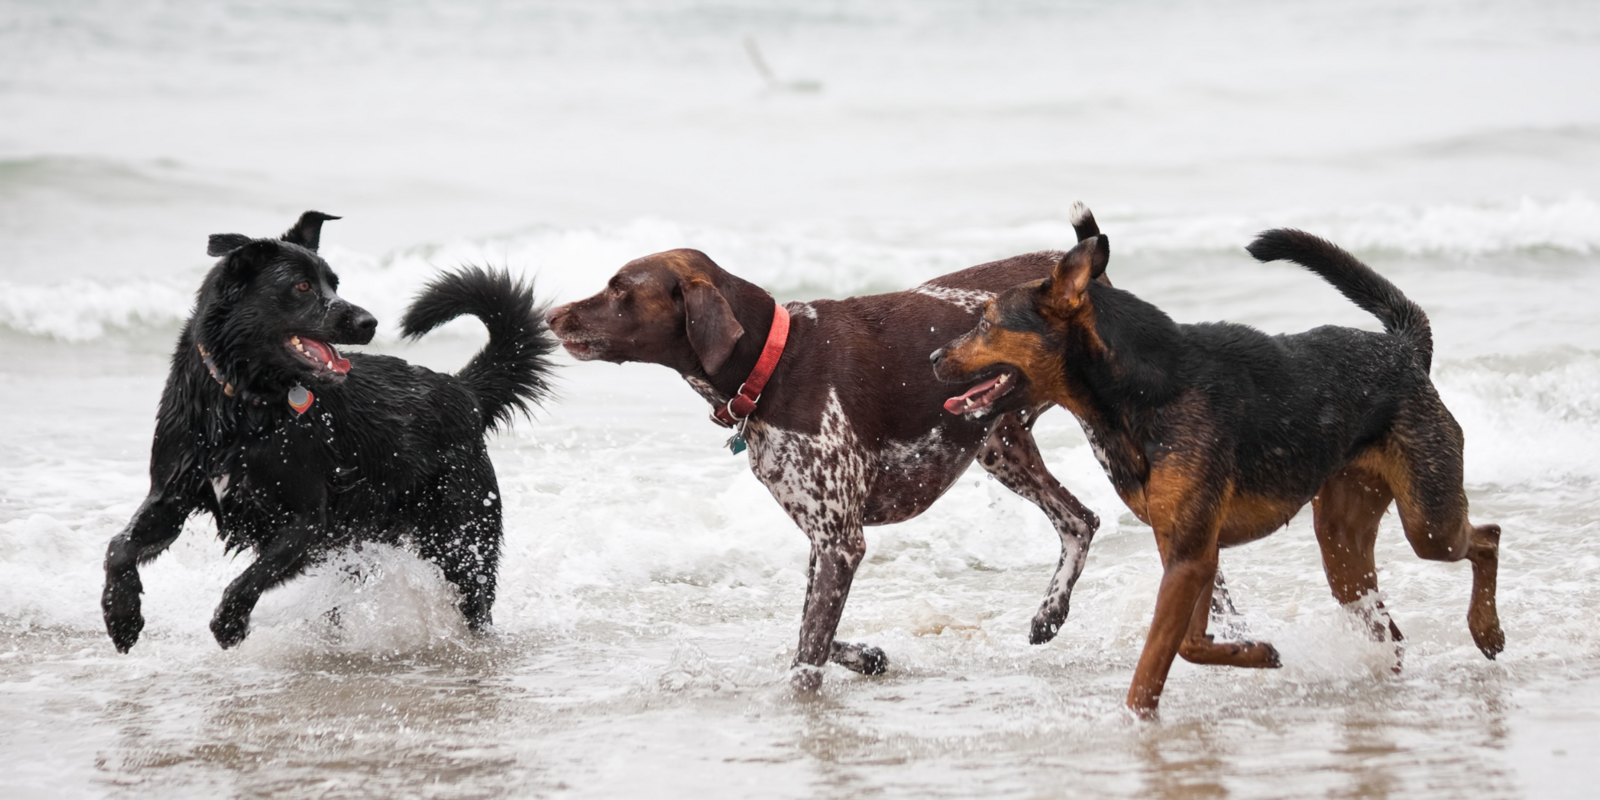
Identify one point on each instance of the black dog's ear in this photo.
(307, 231)
(1086, 262)
(222, 244)
(243, 263)
(713, 330)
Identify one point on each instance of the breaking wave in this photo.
(819, 259)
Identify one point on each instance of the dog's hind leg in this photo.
(282, 558)
(1346, 513)
(1421, 461)
(1011, 456)
(153, 528)
(468, 553)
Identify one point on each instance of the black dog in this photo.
(296, 450)
(1217, 434)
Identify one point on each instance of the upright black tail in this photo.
(514, 368)
(1367, 289)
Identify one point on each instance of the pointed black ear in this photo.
(1066, 285)
(713, 330)
(1084, 225)
(307, 231)
(222, 244)
(1102, 256)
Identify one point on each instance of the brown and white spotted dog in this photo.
(849, 430)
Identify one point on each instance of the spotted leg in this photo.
(837, 547)
(821, 480)
(1012, 457)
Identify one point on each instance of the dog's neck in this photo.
(1139, 356)
(214, 368)
(753, 307)
(1122, 384)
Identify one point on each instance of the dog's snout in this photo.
(362, 324)
(554, 316)
(936, 356)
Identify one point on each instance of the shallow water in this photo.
(651, 588)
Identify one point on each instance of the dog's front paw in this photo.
(120, 605)
(1273, 659)
(805, 678)
(1491, 641)
(862, 658)
(1047, 623)
(230, 629)
(124, 629)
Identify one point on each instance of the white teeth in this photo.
(1002, 380)
(330, 365)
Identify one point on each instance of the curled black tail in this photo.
(513, 369)
(1367, 289)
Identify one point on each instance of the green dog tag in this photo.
(736, 444)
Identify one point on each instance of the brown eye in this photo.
(303, 286)
(984, 326)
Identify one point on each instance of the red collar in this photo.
(743, 403)
(216, 374)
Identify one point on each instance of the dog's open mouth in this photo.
(320, 355)
(982, 396)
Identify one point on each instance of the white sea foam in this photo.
(820, 259)
(1566, 225)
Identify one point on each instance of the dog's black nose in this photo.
(936, 356)
(364, 325)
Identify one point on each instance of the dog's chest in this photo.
(835, 478)
(272, 469)
(820, 479)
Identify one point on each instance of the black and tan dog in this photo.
(296, 450)
(1217, 434)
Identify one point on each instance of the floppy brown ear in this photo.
(1083, 263)
(713, 330)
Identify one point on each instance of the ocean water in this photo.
(651, 588)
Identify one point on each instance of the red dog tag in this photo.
(300, 399)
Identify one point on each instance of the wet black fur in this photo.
(1217, 434)
(1279, 413)
(389, 452)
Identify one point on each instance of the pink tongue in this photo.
(958, 405)
(325, 354)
